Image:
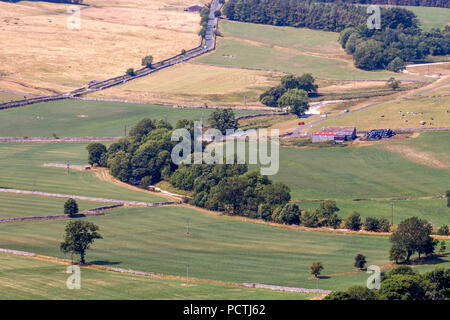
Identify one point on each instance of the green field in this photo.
(21, 168)
(398, 114)
(27, 278)
(286, 49)
(431, 17)
(220, 248)
(77, 118)
(368, 171)
(434, 211)
(18, 205)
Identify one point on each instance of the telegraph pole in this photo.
(68, 168)
(392, 213)
(125, 130)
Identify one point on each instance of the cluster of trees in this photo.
(402, 283)
(353, 222)
(399, 40)
(419, 3)
(296, 13)
(204, 15)
(232, 189)
(293, 92)
(144, 156)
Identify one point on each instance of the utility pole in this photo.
(392, 213)
(125, 130)
(68, 168)
(187, 274)
(187, 227)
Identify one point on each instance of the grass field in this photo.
(6, 96)
(431, 17)
(287, 49)
(75, 118)
(27, 278)
(402, 168)
(434, 211)
(113, 36)
(220, 248)
(17, 205)
(405, 113)
(21, 168)
(187, 84)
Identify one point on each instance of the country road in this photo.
(297, 131)
(208, 44)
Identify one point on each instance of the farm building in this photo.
(337, 134)
(194, 8)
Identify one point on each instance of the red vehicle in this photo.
(301, 123)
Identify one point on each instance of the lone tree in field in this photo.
(71, 207)
(393, 84)
(316, 268)
(411, 236)
(79, 237)
(147, 61)
(360, 261)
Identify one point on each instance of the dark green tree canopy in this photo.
(70, 207)
(223, 119)
(79, 236)
(413, 236)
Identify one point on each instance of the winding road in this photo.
(297, 132)
(208, 44)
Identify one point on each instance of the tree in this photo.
(147, 61)
(326, 214)
(360, 261)
(403, 287)
(397, 254)
(447, 194)
(223, 119)
(353, 221)
(130, 72)
(141, 129)
(296, 99)
(376, 224)
(78, 238)
(316, 268)
(437, 284)
(413, 235)
(354, 293)
(396, 65)
(309, 219)
(393, 84)
(442, 247)
(369, 55)
(96, 152)
(119, 165)
(289, 214)
(71, 207)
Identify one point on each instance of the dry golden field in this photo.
(188, 83)
(40, 54)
